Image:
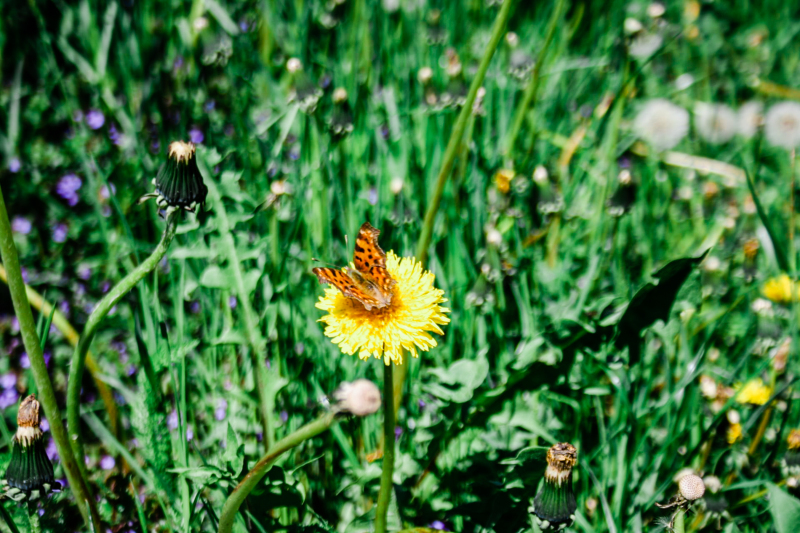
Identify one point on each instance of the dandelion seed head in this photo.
(661, 123)
(782, 125)
(750, 118)
(715, 123)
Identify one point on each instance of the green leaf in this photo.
(458, 382)
(215, 278)
(785, 510)
(232, 449)
(780, 251)
(222, 16)
(654, 301)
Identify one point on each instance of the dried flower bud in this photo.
(179, 184)
(555, 504)
(30, 473)
(361, 397)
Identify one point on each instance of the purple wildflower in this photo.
(398, 431)
(194, 307)
(44, 424)
(372, 197)
(131, 370)
(107, 462)
(105, 287)
(222, 409)
(232, 302)
(209, 106)
(63, 306)
(196, 135)
(178, 63)
(438, 525)
(21, 225)
(244, 26)
(14, 165)
(8, 398)
(47, 356)
(24, 272)
(60, 232)
(95, 119)
(52, 450)
(67, 188)
(8, 380)
(189, 434)
(172, 420)
(24, 360)
(85, 273)
(77, 116)
(294, 154)
(284, 416)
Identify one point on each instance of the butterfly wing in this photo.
(347, 285)
(370, 259)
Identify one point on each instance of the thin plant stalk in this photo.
(33, 519)
(47, 397)
(251, 327)
(62, 324)
(100, 311)
(243, 489)
(531, 89)
(679, 524)
(453, 145)
(387, 471)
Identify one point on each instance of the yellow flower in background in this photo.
(781, 289)
(754, 392)
(502, 179)
(405, 324)
(734, 433)
(793, 440)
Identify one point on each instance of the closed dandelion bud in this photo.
(30, 473)
(360, 398)
(554, 505)
(179, 184)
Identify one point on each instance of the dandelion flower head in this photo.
(661, 123)
(715, 123)
(404, 325)
(781, 289)
(782, 125)
(754, 392)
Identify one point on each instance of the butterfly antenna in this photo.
(323, 262)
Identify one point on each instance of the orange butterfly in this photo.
(370, 283)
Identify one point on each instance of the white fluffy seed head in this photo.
(715, 123)
(692, 487)
(712, 483)
(782, 125)
(340, 95)
(361, 397)
(750, 118)
(661, 123)
(425, 75)
(294, 65)
(396, 185)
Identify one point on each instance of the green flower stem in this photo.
(255, 475)
(33, 519)
(533, 84)
(100, 311)
(449, 160)
(385, 494)
(47, 397)
(251, 326)
(679, 526)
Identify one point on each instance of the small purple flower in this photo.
(14, 165)
(194, 307)
(196, 135)
(24, 360)
(172, 420)
(384, 132)
(44, 424)
(107, 191)
(244, 26)
(105, 287)
(21, 225)
(85, 273)
(13, 343)
(155, 146)
(209, 106)
(77, 116)
(47, 356)
(24, 272)
(131, 370)
(86, 460)
(67, 188)
(624, 162)
(294, 154)
(95, 119)
(8, 380)
(438, 525)
(52, 450)
(63, 306)
(107, 462)
(178, 63)
(60, 232)
(222, 409)
(284, 416)
(398, 431)
(8, 398)
(232, 302)
(119, 347)
(189, 434)
(372, 198)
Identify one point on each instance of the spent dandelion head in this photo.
(661, 123)
(382, 305)
(715, 123)
(782, 125)
(554, 505)
(360, 398)
(29, 475)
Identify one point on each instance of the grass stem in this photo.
(47, 397)
(243, 489)
(385, 494)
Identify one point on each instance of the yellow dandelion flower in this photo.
(754, 392)
(734, 433)
(405, 324)
(781, 289)
(502, 179)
